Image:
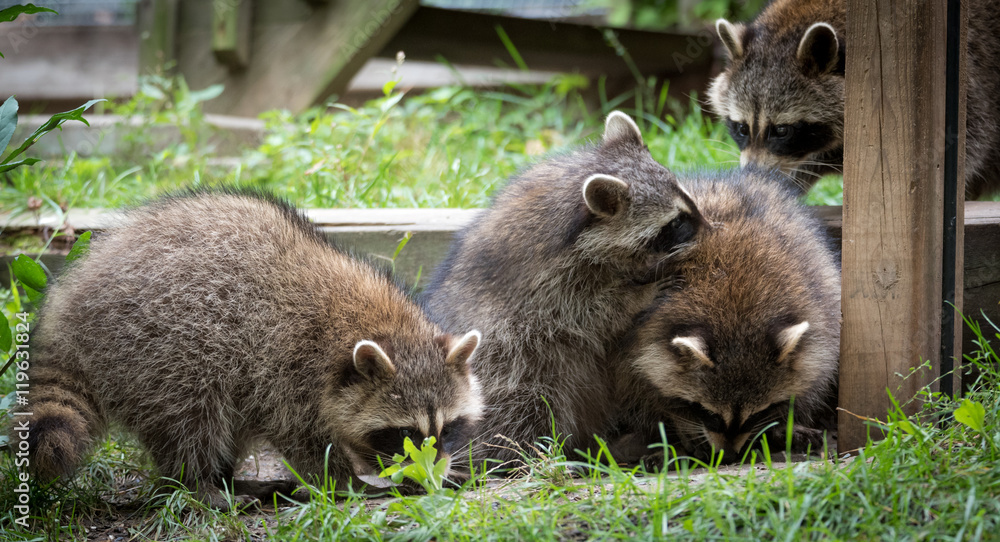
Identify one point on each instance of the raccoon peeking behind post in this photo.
(209, 321)
(552, 274)
(752, 321)
(782, 94)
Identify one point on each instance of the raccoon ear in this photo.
(695, 346)
(732, 37)
(788, 339)
(620, 128)
(819, 49)
(371, 361)
(460, 352)
(605, 195)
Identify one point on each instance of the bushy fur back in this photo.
(712, 347)
(206, 322)
(552, 284)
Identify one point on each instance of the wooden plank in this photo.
(157, 24)
(471, 38)
(231, 32)
(300, 54)
(68, 63)
(893, 211)
(378, 231)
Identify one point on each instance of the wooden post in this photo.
(157, 25)
(231, 32)
(893, 234)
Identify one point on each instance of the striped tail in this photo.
(58, 425)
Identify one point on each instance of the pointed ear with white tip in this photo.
(620, 128)
(605, 195)
(462, 350)
(788, 340)
(819, 50)
(371, 361)
(732, 37)
(695, 346)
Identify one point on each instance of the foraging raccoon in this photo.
(552, 274)
(752, 320)
(209, 321)
(782, 94)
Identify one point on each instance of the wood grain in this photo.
(893, 208)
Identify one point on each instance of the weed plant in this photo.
(934, 476)
(448, 147)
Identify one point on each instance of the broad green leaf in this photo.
(9, 14)
(33, 295)
(388, 86)
(8, 122)
(6, 339)
(26, 162)
(971, 414)
(54, 122)
(80, 247)
(206, 94)
(408, 447)
(29, 272)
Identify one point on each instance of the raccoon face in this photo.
(638, 214)
(720, 392)
(396, 391)
(782, 100)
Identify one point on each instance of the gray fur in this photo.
(553, 275)
(769, 84)
(207, 322)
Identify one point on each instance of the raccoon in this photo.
(751, 322)
(782, 94)
(207, 322)
(570, 251)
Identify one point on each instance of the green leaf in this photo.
(9, 14)
(33, 295)
(971, 414)
(8, 122)
(6, 339)
(80, 247)
(402, 243)
(54, 122)
(388, 86)
(29, 272)
(26, 162)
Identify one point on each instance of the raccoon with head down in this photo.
(782, 94)
(552, 274)
(751, 321)
(206, 322)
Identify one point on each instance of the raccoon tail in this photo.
(59, 424)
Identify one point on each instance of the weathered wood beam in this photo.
(157, 24)
(893, 221)
(231, 31)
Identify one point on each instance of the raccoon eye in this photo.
(781, 130)
(403, 433)
(743, 129)
(677, 231)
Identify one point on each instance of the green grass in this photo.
(449, 147)
(935, 476)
